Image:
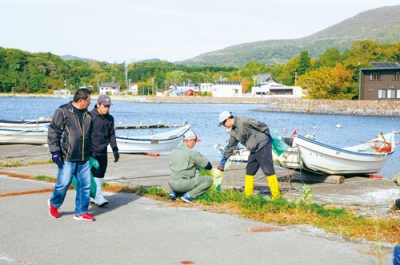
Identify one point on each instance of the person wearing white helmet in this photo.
(256, 137)
(183, 164)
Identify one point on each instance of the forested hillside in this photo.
(381, 25)
(24, 72)
(334, 75)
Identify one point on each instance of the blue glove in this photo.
(270, 138)
(221, 166)
(56, 157)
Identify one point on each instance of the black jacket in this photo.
(65, 134)
(103, 133)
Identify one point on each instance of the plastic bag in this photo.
(279, 146)
(93, 188)
(216, 174)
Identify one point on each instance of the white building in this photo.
(109, 88)
(206, 87)
(277, 90)
(226, 89)
(268, 86)
(133, 89)
(62, 93)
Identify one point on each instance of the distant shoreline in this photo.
(288, 105)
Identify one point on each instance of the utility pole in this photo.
(126, 74)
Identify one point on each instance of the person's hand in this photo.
(56, 157)
(116, 154)
(221, 166)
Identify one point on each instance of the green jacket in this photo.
(184, 161)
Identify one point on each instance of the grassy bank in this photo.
(339, 221)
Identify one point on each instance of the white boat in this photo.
(241, 154)
(17, 135)
(308, 154)
(365, 158)
(37, 124)
(155, 143)
(289, 158)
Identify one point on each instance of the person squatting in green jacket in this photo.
(183, 164)
(256, 137)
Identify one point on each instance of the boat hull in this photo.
(157, 143)
(23, 136)
(322, 158)
(289, 159)
(34, 124)
(153, 146)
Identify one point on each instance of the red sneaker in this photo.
(53, 211)
(84, 217)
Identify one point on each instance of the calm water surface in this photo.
(204, 121)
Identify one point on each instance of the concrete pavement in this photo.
(134, 229)
(137, 230)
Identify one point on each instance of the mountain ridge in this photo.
(380, 25)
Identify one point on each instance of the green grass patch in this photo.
(16, 163)
(281, 211)
(45, 178)
(153, 190)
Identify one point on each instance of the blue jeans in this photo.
(66, 170)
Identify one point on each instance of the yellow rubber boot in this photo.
(249, 185)
(274, 186)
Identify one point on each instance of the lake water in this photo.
(204, 121)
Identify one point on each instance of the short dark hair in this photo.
(82, 93)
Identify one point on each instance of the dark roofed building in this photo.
(382, 82)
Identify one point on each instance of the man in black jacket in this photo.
(103, 134)
(69, 140)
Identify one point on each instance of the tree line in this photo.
(334, 75)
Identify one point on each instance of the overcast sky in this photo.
(119, 31)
